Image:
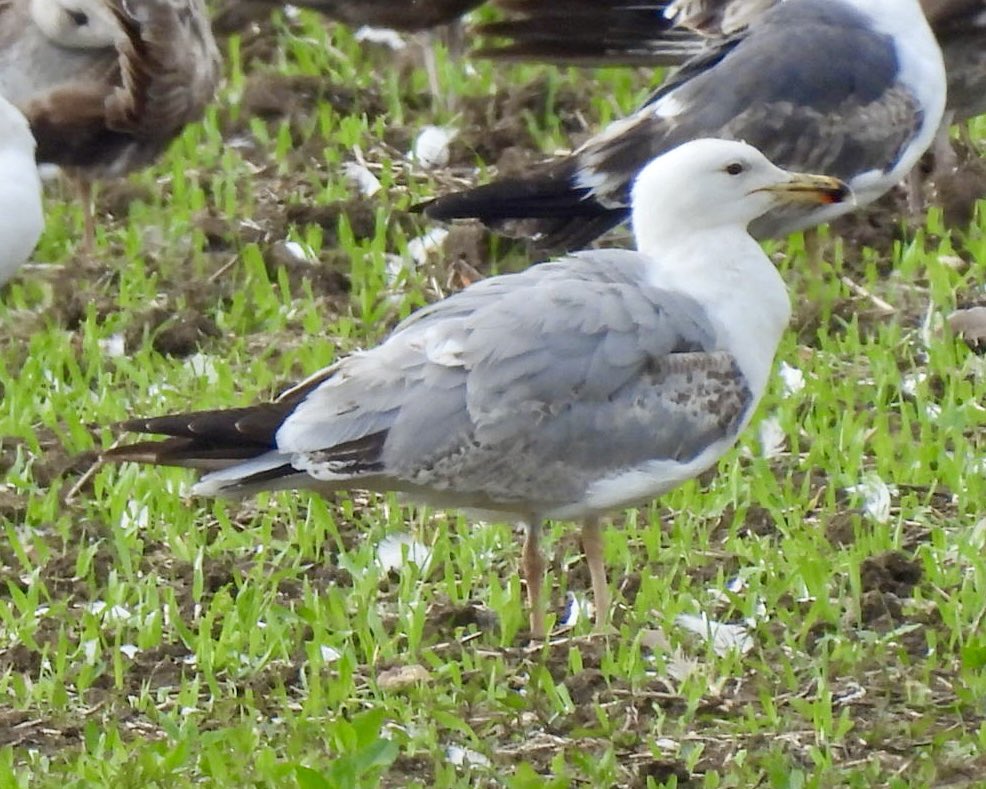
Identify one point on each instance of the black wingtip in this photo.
(204, 439)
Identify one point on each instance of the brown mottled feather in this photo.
(106, 111)
(164, 85)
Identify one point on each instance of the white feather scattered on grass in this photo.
(431, 147)
(134, 516)
(459, 756)
(424, 245)
(202, 365)
(381, 35)
(724, 637)
(113, 346)
(395, 550)
(772, 437)
(876, 496)
(792, 378)
(299, 252)
(359, 175)
(578, 608)
(116, 613)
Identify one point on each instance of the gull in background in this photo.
(106, 85)
(578, 387)
(853, 88)
(669, 32)
(21, 217)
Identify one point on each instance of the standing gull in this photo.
(21, 218)
(578, 387)
(106, 85)
(854, 88)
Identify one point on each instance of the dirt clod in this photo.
(890, 572)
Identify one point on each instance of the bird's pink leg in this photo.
(592, 544)
(534, 567)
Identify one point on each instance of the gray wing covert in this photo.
(527, 387)
(576, 370)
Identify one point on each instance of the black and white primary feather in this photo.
(589, 33)
(854, 88)
(567, 391)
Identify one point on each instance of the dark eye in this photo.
(79, 18)
(734, 169)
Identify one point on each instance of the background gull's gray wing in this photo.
(524, 389)
(844, 118)
(812, 85)
(840, 119)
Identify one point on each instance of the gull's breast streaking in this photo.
(580, 386)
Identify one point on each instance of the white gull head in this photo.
(711, 184)
(76, 24)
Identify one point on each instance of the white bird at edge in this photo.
(21, 215)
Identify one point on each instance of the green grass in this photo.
(148, 638)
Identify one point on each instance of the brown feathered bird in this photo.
(106, 85)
